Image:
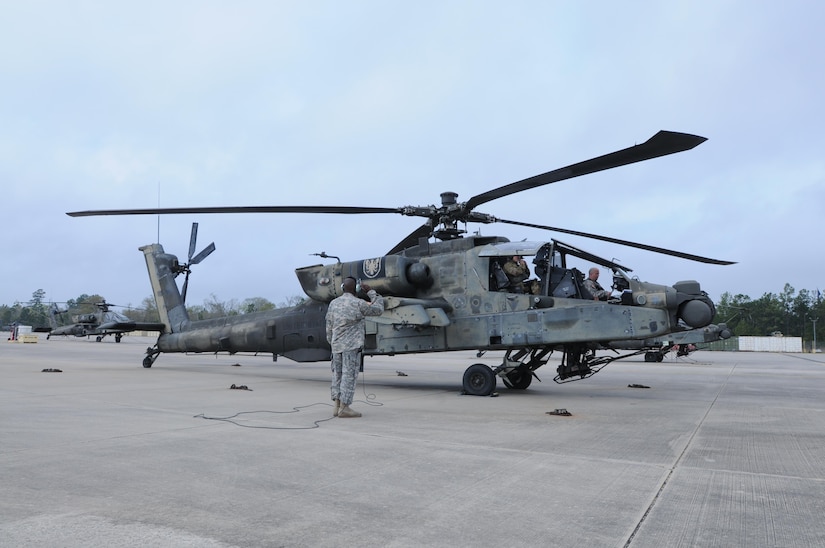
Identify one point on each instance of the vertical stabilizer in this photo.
(53, 312)
(161, 268)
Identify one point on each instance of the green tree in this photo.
(37, 313)
(148, 311)
(8, 314)
(294, 300)
(215, 308)
(256, 304)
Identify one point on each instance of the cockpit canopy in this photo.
(550, 266)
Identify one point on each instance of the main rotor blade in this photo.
(203, 254)
(412, 239)
(661, 144)
(346, 210)
(627, 243)
(193, 238)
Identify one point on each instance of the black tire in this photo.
(519, 378)
(650, 357)
(148, 361)
(479, 380)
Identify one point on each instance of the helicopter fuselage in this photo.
(439, 297)
(449, 295)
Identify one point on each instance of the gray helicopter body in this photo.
(447, 295)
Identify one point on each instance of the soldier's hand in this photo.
(365, 287)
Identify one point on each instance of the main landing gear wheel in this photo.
(148, 361)
(519, 378)
(479, 380)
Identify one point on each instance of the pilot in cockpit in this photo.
(518, 273)
(592, 286)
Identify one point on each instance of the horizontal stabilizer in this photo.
(124, 327)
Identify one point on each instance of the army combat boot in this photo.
(337, 408)
(347, 412)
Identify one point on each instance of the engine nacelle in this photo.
(390, 275)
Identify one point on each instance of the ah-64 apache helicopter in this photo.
(98, 324)
(443, 296)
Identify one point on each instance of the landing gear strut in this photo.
(519, 378)
(518, 368)
(516, 371)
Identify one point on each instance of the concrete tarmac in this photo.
(722, 449)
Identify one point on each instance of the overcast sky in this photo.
(125, 105)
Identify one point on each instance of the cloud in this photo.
(376, 104)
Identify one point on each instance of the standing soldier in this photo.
(345, 333)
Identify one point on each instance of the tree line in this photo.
(787, 312)
(37, 311)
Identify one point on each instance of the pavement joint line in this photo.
(679, 458)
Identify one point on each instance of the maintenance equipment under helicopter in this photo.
(445, 295)
(681, 342)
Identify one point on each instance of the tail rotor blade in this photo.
(203, 254)
(185, 286)
(193, 240)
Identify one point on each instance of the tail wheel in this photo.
(479, 380)
(152, 354)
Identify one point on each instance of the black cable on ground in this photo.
(229, 419)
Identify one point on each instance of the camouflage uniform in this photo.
(596, 290)
(345, 333)
(518, 273)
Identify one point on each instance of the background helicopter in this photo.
(443, 296)
(97, 324)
